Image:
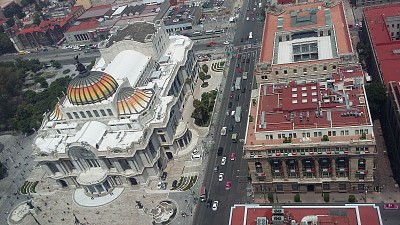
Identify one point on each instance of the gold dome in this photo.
(131, 101)
(94, 87)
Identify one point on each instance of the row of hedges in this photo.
(28, 187)
(185, 183)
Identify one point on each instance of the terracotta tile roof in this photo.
(380, 37)
(86, 25)
(2, 21)
(65, 20)
(43, 27)
(343, 215)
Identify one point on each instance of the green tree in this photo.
(56, 64)
(202, 76)
(271, 197)
(42, 81)
(204, 67)
(297, 198)
(6, 46)
(352, 199)
(376, 94)
(326, 197)
(36, 19)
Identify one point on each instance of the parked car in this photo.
(230, 105)
(164, 175)
(231, 128)
(390, 206)
(174, 183)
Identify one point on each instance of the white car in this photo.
(223, 131)
(247, 18)
(223, 161)
(226, 43)
(215, 206)
(221, 177)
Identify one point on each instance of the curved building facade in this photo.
(119, 124)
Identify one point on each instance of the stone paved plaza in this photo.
(59, 208)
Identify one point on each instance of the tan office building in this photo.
(311, 136)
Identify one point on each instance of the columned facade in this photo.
(339, 173)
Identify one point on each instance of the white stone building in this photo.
(119, 124)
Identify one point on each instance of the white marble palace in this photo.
(119, 124)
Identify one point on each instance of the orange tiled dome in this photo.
(95, 87)
(131, 101)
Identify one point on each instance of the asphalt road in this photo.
(234, 171)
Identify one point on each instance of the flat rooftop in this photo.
(179, 15)
(96, 12)
(387, 50)
(303, 17)
(137, 31)
(354, 214)
(338, 102)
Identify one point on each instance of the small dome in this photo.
(131, 101)
(95, 87)
(56, 114)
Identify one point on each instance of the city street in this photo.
(234, 171)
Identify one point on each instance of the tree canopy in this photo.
(204, 107)
(376, 94)
(24, 110)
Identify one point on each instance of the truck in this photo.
(238, 114)
(237, 83)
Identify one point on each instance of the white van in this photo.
(251, 35)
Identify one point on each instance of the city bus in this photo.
(238, 114)
(203, 194)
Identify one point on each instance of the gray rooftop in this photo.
(184, 14)
(132, 10)
(136, 31)
(95, 12)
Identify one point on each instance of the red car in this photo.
(239, 56)
(233, 156)
(228, 185)
(211, 43)
(232, 95)
(390, 206)
(239, 48)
